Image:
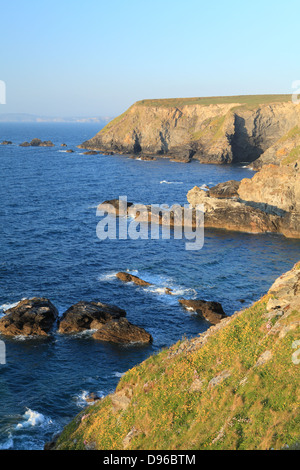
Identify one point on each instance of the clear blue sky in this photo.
(94, 57)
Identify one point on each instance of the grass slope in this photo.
(235, 387)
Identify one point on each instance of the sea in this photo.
(49, 247)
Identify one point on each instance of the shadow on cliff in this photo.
(244, 148)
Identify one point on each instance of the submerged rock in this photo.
(91, 152)
(30, 317)
(88, 316)
(6, 142)
(126, 277)
(211, 311)
(122, 331)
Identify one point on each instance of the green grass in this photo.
(253, 408)
(291, 135)
(250, 100)
(213, 129)
(293, 156)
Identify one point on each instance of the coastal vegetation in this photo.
(234, 387)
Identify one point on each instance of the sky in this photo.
(96, 58)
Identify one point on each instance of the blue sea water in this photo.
(49, 248)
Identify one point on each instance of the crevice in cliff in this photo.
(137, 148)
(164, 142)
(244, 149)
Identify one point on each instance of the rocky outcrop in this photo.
(227, 190)
(276, 186)
(267, 202)
(284, 151)
(232, 214)
(122, 332)
(115, 206)
(215, 130)
(37, 143)
(210, 311)
(108, 320)
(6, 142)
(30, 317)
(88, 316)
(126, 277)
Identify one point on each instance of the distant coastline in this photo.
(30, 118)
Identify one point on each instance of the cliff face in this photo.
(234, 387)
(212, 131)
(284, 151)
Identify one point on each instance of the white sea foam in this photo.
(84, 333)
(111, 276)
(33, 418)
(170, 182)
(7, 306)
(160, 285)
(108, 277)
(134, 271)
(82, 397)
(118, 374)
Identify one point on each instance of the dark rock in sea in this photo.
(63, 145)
(229, 189)
(70, 151)
(113, 206)
(37, 143)
(126, 277)
(168, 291)
(210, 311)
(88, 316)
(6, 142)
(92, 398)
(30, 317)
(91, 152)
(122, 331)
(25, 144)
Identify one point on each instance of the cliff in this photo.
(267, 202)
(211, 130)
(234, 387)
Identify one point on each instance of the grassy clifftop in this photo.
(248, 100)
(234, 387)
